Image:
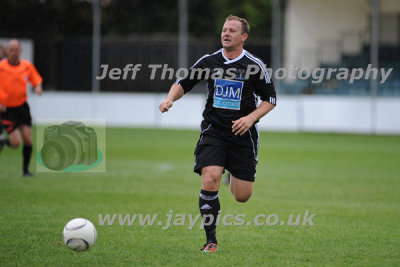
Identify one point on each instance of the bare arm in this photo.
(174, 94)
(38, 89)
(242, 125)
(2, 108)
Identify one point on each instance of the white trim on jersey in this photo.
(201, 138)
(255, 99)
(258, 138)
(229, 61)
(252, 142)
(260, 64)
(206, 55)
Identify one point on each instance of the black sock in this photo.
(209, 205)
(26, 153)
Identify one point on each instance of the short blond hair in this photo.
(245, 24)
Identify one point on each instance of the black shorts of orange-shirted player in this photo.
(229, 133)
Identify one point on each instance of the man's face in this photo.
(13, 52)
(232, 36)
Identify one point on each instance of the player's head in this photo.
(234, 32)
(13, 51)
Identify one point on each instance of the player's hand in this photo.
(38, 89)
(242, 125)
(2, 108)
(165, 105)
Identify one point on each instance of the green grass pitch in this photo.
(350, 182)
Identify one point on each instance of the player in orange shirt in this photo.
(15, 73)
(2, 108)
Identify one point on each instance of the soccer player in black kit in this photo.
(229, 134)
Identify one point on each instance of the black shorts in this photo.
(14, 117)
(220, 147)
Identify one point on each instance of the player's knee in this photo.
(28, 142)
(210, 183)
(211, 175)
(242, 195)
(210, 180)
(242, 198)
(15, 143)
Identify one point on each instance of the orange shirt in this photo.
(13, 80)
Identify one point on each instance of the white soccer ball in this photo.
(79, 234)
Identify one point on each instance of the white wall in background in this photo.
(313, 25)
(293, 113)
